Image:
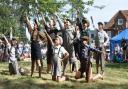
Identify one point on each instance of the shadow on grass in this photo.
(31, 84)
(47, 83)
(4, 72)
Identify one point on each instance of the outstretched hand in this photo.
(55, 14)
(2, 35)
(26, 17)
(41, 13)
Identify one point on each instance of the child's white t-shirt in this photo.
(60, 50)
(12, 55)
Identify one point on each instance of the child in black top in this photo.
(84, 57)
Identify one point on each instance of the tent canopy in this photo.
(118, 38)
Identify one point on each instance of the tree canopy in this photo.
(12, 11)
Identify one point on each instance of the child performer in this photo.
(84, 56)
(59, 54)
(13, 64)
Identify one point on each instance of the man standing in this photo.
(102, 42)
(68, 32)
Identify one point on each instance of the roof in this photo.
(112, 21)
(125, 13)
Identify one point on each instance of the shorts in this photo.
(84, 64)
(35, 51)
(56, 66)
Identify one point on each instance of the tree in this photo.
(12, 11)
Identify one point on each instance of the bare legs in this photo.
(34, 62)
(49, 67)
(88, 77)
(59, 78)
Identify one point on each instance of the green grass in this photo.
(116, 77)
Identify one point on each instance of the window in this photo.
(120, 21)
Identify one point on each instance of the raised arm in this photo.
(78, 23)
(43, 19)
(60, 22)
(44, 23)
(79, 20)
(6, 39)
(94, 49)
(49, 38)
(28, 24)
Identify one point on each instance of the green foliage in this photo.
(79, 5)
(50, 6)
(12, 11)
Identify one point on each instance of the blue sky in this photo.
(105, 14)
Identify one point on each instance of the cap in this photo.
(85, 38)
(84, 20)
(100, 23)
(60, 38)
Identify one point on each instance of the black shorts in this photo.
(84, 64)
(35, 51)
(49, 60)
(49, 55)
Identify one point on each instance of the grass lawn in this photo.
(116, 77)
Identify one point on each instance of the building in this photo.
(117, 23)
(92, 35)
